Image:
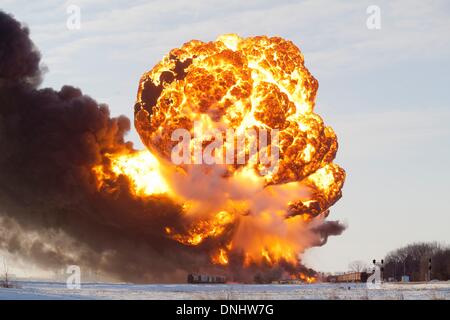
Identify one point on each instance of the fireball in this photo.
(240, 85)
(258, 83)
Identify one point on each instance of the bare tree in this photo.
(5, 282)
(358, 266)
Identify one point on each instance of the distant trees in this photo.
(413, 260)
(358, 266)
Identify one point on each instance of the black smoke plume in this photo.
(50, 209)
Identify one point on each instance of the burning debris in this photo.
(73, 191)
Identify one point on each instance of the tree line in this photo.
(413, 260)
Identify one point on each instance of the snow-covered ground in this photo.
(398, 291)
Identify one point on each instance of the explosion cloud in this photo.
(73, 191)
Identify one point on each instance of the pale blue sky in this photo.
(385, 92)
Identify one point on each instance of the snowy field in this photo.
(49, 290)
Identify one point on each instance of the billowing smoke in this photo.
(51, 211)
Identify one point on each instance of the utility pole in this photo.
(395, 271)
(404, 269)
(429, 269)
(404, 266)
(381, 266)
(374, 264)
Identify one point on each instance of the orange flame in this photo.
(221, 257)
(203, 229)
(141, 168)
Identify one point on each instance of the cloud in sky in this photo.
(143, 31)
